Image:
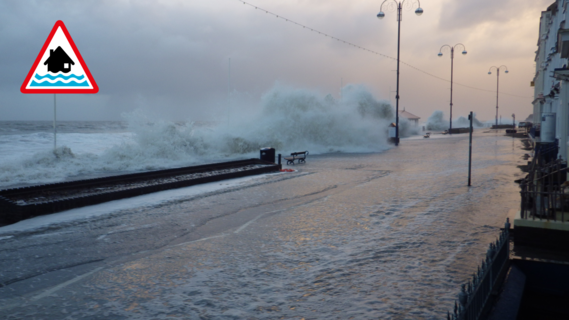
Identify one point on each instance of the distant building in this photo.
(58, 61)
(409, 116)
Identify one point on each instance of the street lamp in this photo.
(497, 85)
(451, 74)
(380, 15)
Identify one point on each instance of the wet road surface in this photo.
(389, 236)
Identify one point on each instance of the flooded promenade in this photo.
(387, 235)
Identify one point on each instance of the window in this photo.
(559, 45)
(563, 43)
(66, 65)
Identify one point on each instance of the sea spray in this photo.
(288, 119)
(437, 122)
(464, 122)
(362, 100)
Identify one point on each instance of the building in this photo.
(551, 86)
(541, 225)
(550, 129)
(409, 116)
(58, 61)
(536, 285)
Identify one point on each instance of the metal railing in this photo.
(544, 192)
(474, 295)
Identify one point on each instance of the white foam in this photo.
(289, 119)
(438, 122)
(89, 212)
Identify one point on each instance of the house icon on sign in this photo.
(58, 61)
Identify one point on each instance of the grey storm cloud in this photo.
(469, 14)
(173, 53)
(137, 51)
(173, 56)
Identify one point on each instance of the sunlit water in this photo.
(387, 235)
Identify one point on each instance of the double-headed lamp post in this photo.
(497, 85)
(380, 15)
(451, 74)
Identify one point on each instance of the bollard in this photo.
(279, 163)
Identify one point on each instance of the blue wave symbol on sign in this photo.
(59, 76)
(70, 81)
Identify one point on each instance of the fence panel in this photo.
(474, 295)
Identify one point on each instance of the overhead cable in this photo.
(372, 51)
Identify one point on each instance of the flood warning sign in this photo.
(59, 67)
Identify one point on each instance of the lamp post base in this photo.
(394, 140)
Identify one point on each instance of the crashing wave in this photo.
(289, 119)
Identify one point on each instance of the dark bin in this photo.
(268, 154)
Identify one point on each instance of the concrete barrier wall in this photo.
(12, 211)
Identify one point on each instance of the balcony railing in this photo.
(545, 191)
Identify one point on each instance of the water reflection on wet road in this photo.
(389, 236)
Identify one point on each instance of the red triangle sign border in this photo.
(59, 24)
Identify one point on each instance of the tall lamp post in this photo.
(451, 74)
(380, 15)
(497, 85)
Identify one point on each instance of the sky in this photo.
(181, 59)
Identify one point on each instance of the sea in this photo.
(287, 119)
(363, 230)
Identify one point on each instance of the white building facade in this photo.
(551, 81)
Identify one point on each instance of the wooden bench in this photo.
(300, 156)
